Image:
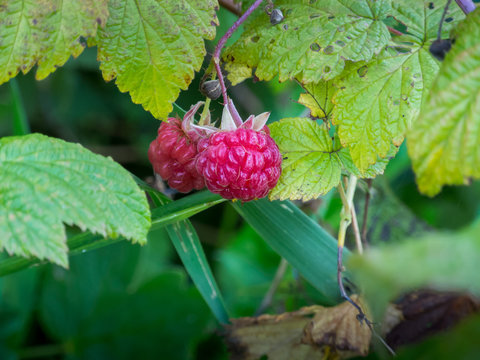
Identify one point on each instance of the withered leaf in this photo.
(426, 312)
(313, 332)
(340, 329)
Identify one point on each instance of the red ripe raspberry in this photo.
(172, 155)
(240, 164)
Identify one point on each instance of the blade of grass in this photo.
(20, 121)
(188, 246)
(298, 239)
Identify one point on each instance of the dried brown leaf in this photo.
(339, 329)
(313, 332)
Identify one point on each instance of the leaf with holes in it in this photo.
(422, 18)
(318, 98)
(45, 182)
(46, 32)
(443, 144)
(154, 47)
(312, 42)
(377, 101)
(310, 166)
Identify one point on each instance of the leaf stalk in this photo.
(216, 58)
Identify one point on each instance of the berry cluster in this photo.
(238, 162)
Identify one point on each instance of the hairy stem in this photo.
(216, 57)
(467, 6)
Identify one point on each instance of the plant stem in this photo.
(267, 299)
(346, 218)
(394, 31)
(467, 6)
(356, 231)
(20, 121)
(439, 32)
(216, 58)
(365, 210)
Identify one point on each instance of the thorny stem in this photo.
(467, 6)
(216, 58)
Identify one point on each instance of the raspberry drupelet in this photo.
(240, 162)
(172, 154)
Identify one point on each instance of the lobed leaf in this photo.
(443, 144)
(311, 166)
(312, 42)
(45, 32)
(422, 18)
(45, 182)
(377, 102)
(312, 161)
(153, 48)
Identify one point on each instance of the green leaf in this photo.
(46, 32)
(444, 261)
(422, 18)
(312, 163)
(188, 246)
(312, 42)
(299, 239)
(45, 182)
(153, 48)
(310, 166)
(443, 144)
(161, 216)
(318, 98)
(378, 100)
(373, 170)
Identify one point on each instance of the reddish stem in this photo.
(467, 6)
(394, 31)
(216, 59)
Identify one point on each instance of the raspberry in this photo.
(172, 155)
(240, 164)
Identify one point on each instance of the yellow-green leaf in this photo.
(312, 42)
(153, 48)
(45, 32)
(378, 100)
(444, 143)
(310, 166)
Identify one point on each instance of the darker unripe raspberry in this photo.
(172, 155)
(241, 164)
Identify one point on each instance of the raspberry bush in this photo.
(359, 77)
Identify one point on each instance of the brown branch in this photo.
(231, 6)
